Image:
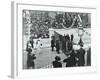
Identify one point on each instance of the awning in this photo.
(65, 31)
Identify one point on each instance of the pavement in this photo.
(44, 58)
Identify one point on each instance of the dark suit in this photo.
(72, 37)
(56, 64)
(81, 57)
(31, 42)
(57, 46)
(29, 50)
(30, 62)
(89, 57)
(52, 44)
(70, 62)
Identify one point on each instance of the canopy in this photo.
(66, 31)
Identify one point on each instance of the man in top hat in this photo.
(57, 63)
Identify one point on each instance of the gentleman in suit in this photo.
(81, 56)
(30, 58)
(31, 42)
(57, 46)
(72, 37)
(52, 44)
(57, 63)
(89, 57)
(70, 60)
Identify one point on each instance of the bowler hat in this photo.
(57, 58)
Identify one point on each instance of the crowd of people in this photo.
(40, 24)
(63, 46)
(73, 57)
(31, 45)
(65, 43)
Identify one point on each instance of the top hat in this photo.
(57, 58)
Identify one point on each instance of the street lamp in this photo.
(80, 34)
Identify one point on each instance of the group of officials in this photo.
(65, 43)
(73, 57)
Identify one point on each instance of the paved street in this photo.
(44, 58)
